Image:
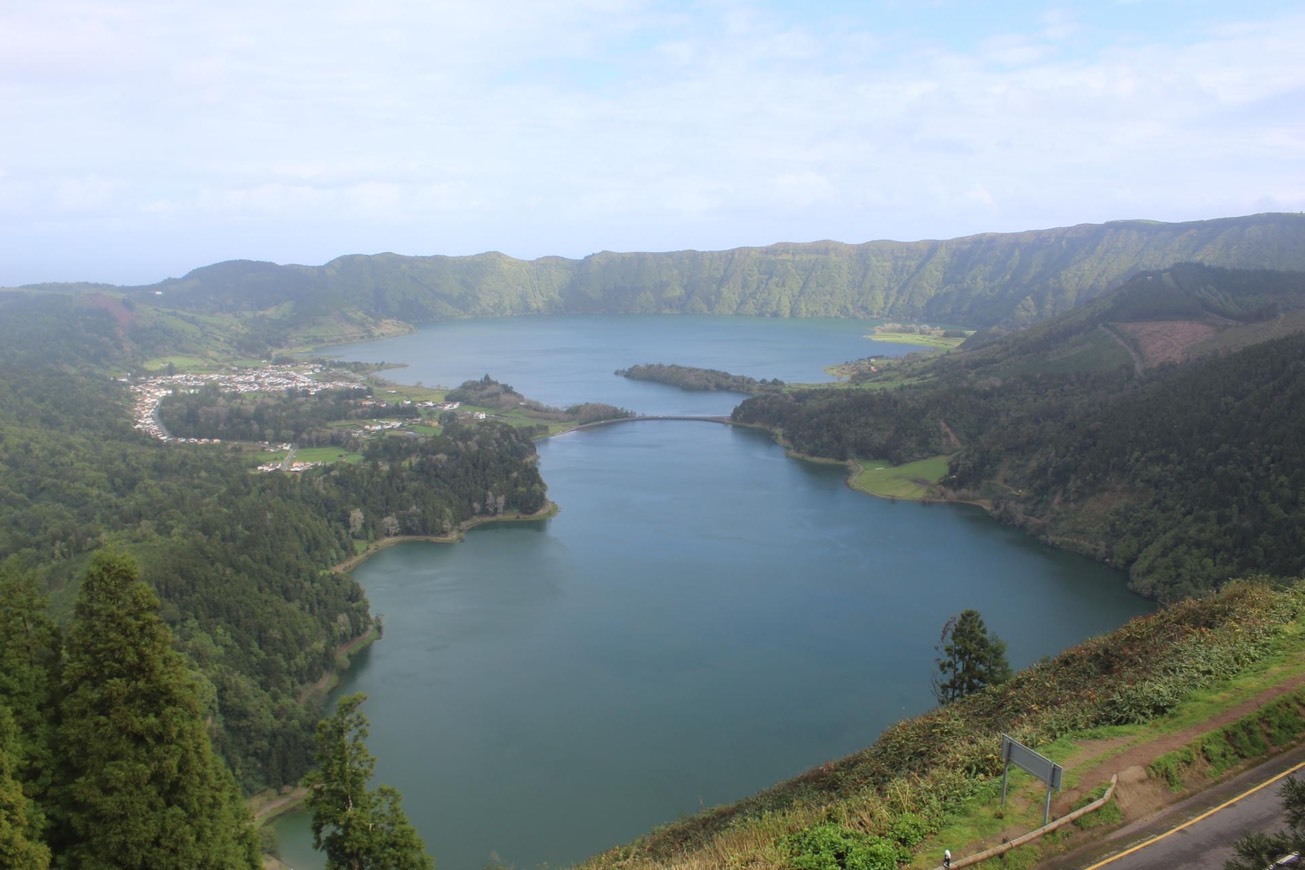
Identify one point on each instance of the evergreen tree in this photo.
(29, 659)
(20, 844)
(971, 658)
(139, 785)
(357, 828)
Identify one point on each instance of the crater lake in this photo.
(703, 618)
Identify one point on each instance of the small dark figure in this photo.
(947, 857)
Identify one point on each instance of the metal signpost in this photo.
(1016, 753)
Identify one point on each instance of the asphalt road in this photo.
(1197, 832)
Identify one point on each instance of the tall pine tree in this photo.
(971, 658)
(140, 786)
(30, 651)
(20, 822)
(359, 829)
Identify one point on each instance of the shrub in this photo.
(833, 847)
(909, 830)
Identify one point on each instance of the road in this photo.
(1199, 831)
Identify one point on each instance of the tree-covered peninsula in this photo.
(697, 379)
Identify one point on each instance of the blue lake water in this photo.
(703, 618)
(564, 360)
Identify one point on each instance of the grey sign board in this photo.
(1016, 753)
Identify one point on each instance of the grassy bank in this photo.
(912, 481)
(1098, 705)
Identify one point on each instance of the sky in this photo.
(141, 139)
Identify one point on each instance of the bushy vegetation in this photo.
(300, 418)
(488, 393)
(1277, 725)
(596, 412)
(834, 847)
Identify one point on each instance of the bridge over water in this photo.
(700, 418)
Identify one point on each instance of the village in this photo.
(149, 392)
(307, 378)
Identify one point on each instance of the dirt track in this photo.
(1131, 793)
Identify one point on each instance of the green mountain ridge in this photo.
(985, 280)
(1005, 280)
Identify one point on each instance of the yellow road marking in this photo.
(1190, 822)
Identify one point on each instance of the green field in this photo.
(935, 341)
(389, 391)
(326, 454)
(911, 481)
(180, 362)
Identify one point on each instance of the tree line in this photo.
(294, 416)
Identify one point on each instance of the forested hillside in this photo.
(1184, 474)
(1007, 280)
(240, 561)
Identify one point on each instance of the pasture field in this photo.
(912, 481)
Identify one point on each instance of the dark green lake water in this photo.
(704, 618)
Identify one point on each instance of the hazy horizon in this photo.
(147, 139)
(585, 256)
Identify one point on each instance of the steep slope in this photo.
(1009, 280)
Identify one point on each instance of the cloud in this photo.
(568, 126)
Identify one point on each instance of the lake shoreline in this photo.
(267, 808)
(854, 467)
(549, 510)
